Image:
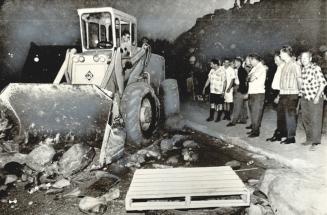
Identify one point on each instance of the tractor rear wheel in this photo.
(140, 110)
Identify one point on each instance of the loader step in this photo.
(186, 188)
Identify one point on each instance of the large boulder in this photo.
(290, 192)
(39, 157)
(75, 159)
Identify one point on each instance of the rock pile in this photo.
(171, 151)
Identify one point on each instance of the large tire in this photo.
(171, 104)
(140, 111)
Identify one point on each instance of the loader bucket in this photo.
(75, 113)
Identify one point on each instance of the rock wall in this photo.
(262, 28)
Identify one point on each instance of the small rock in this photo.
(137, 159)
(190, 155)
(149, 153)
(190, 144)
(92, 205)
(178, 138)
(166, 145)
(10, 179)
(54, 191)
(194, 157)
(39, 157)
(250, 162)
(61, 183)
(74, 193)
(75, 159)
(160, 166)
(253, 182)
(30, 203)
(10, 146)
(173, 160)
(234, 164)
(113, 194)
(186, 155)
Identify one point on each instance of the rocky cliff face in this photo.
(262, 28)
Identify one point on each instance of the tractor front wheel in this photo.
(140, 110)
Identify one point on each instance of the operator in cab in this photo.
(126, 43)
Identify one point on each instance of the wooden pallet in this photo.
(185, 188)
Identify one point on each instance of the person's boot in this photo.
(225, 115)
(228, 115)
(212, 112)
(218, 116)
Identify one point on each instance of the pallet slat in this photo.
(182, 177)
(183, 170)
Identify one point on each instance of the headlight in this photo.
(96, 58)
(102, 59)
(81, 59)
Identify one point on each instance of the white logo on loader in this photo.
(89, 75)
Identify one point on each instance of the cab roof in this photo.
(106, 9)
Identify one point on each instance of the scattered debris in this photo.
(173, 160)
(250, 162)
(234, 164)
(61, 183)
(166, 145)
(189, 155)
(190, 144)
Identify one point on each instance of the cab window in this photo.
(133, 34)
(117, 28)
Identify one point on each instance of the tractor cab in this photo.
(109, 41)
(103, 29)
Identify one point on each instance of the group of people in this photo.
(241, 83)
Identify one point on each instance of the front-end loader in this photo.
(107, 92)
